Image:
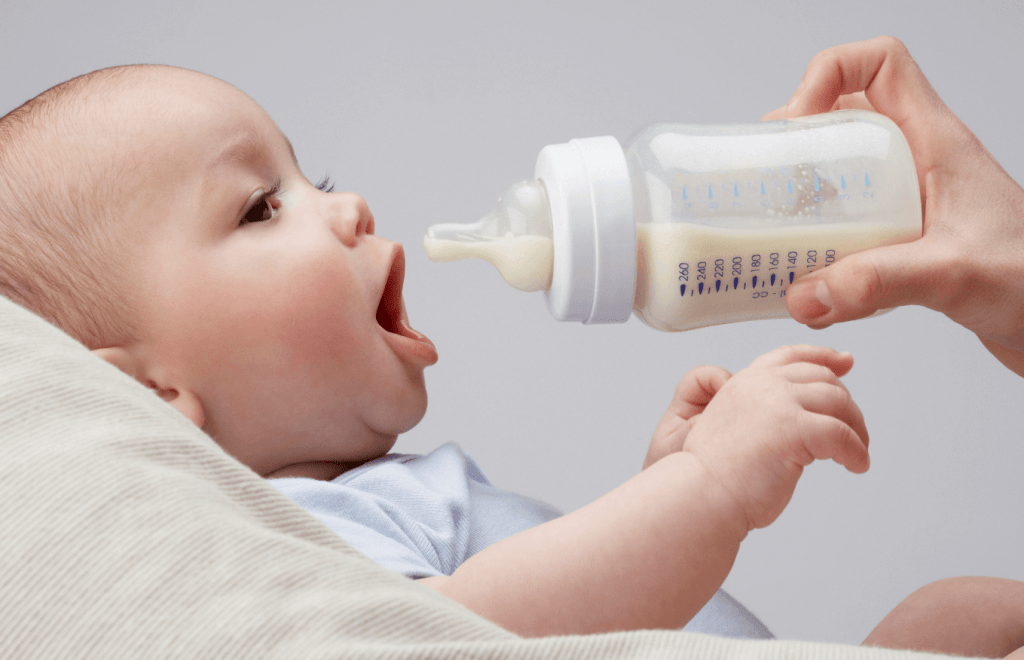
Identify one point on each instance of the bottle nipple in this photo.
(515, 237)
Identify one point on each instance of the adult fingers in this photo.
(856, 101)
(846, 102)
(860, 284)
(892, 84)
(1011, 359)
(882, 68)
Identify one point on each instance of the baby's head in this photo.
(159, 216)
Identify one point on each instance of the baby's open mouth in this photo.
(391, 316)
(390, 313)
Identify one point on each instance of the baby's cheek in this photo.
(320, 313)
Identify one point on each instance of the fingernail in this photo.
(822, 294)
(810, 304)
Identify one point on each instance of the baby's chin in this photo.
(414, 406)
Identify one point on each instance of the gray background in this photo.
(430, 110)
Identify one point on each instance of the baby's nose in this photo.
(350, 217)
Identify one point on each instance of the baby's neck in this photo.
(321, 470)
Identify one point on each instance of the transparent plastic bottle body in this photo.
(727, 217)
(690, 225)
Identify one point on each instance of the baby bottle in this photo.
(691, 226)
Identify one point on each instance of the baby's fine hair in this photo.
(60, 255)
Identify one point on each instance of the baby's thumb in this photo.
(861, 284)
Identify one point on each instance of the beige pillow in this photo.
(127, 533)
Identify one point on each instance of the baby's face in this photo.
(273, 302)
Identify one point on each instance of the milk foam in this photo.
(524, 261)
(691, 276)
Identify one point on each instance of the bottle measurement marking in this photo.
(694, 190)
(720, 288)
(773, 183)
(706, 271)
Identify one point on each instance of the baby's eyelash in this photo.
(273, 192)
(326, 184)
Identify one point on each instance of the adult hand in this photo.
(969, 264)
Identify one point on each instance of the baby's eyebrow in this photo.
(250, 148)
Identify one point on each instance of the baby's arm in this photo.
(652, 552)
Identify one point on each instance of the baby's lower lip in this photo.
(418, 344)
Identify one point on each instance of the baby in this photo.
(160, 217)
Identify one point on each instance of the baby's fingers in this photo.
(826, 437)
(807, 372)
(832, 426)
(696, 390)
(836, 362)
(834, 400)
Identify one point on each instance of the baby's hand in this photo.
(692, 394)
(758, 429)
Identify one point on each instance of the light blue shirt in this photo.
(425, 515)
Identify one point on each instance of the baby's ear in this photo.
(123, 360)
(186, 402)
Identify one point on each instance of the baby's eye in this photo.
(264, 209)
(260, 211)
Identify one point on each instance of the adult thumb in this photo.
(863, 283)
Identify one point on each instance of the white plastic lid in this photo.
(588, 185)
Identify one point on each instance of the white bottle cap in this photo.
(594, 276)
